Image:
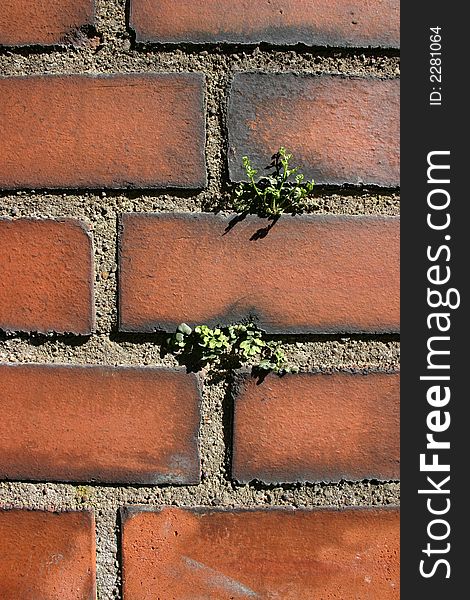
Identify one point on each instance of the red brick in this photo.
(47, 556)
(311, 22)
(317, 427)
(308, 274)
(103, 424)
(116, 131)
(46, 276)
(341, 130)
(177, 554)
(35, 22)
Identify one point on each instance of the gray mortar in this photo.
(115, 53)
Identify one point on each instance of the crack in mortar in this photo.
(114, 52)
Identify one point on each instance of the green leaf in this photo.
(185, 329)
(265, 365)
(273, 194)
(227, 347)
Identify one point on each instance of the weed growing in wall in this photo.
(227, 348)
(284, 190)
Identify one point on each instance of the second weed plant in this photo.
(228, 347)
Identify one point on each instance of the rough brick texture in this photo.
(294, 555)
(47, 556)
(317, 427)
(340, 129)
(103, 424)
(120, 131)
(312, 22)
(307, 274)
(31, 22)
(46, 276)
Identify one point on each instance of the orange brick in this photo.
(47, 556)
(341, 130)
(103, 424)
(308, 274)
(35, 22)
(116, 131)
(312, 22)
(46, 276)
(177, 554)
(317, 427)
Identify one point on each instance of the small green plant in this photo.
(275, 193)
(228, 347)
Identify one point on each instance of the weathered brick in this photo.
(311, 22)
(46, 276)
(341, 130)
(47, 556)
(307, 274)
(31, 22)
(116, 131)
(317, 427)
(288, 554)
(103, 424)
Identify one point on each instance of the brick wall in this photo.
(122, 127)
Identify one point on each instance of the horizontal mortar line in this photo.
(195, 63)
(164, 69)
(22, 498)
(142, 195)
(136, 356)
(77, 212)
